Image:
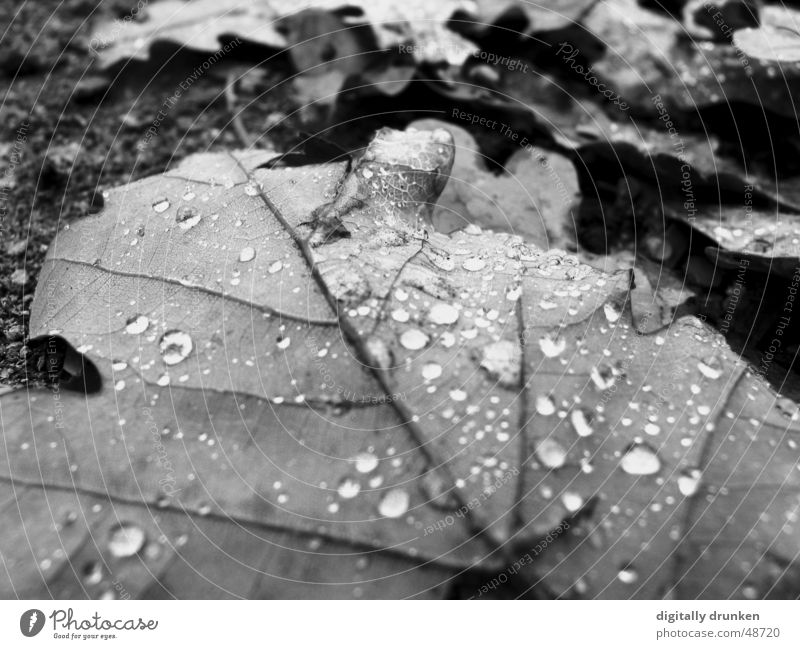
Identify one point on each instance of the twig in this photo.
(236, 117)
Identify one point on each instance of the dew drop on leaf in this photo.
(413, 339)
(611, 312)
(580, 422)
(175, 346)
(572, 501)
(550, 453)
(160, 205)
(247, 254)
(126, 540)
(443, 314)
(710, 368)
(688, 481)
(545, 405)
(187, 217)
(552, 347)
(348, 488)
(431, 371)
(137, 324)
(394, 503)
(92, 573)
(365, 462)
(628, 575)
(640, 459)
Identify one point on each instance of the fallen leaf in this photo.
(292, 366)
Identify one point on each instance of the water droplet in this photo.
(137, 324)
(284, 342)
(394, 503)
(413, 339)
(503, 361)
(400, 315)
(628, 575)
(92, 573)
(572, 501)
(711, 368)
(348, 488)
(187, 217)
(175, 346)
(125, 540)
(443, 314)
(247, 254)
(652, 429)
(431, 371)
(161, 205)
(611, 312)
(552, 347)
(365, 462)
(580, 422)
(545, 405)
(603, 378)
(689, 481)
(640, 459)
(550, 453)
(275, 267)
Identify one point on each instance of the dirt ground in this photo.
(68, 133)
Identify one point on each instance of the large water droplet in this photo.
(413, 339)
(247, 254)
(348, 488)
(160, 205)
(711, 368)
(394, 503)
(572, 501)
(125, 540)
(431, 371)
(545, 405)
(92, 573)
(688, 481)
(365, 462)
(640, 459)
(628, 575)
(580, 422)
(550, 453)
(175, 346)
(443, 314)
(611, 312)
(503, 361)
(187, 217)
(552, 346)
(137, 324)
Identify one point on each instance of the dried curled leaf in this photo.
(378, 412)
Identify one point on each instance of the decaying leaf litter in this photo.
(472, 365)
